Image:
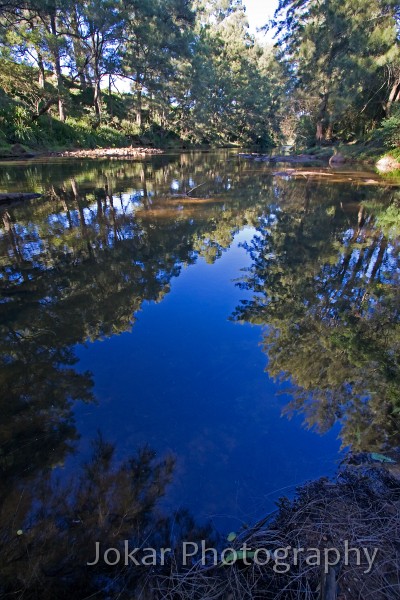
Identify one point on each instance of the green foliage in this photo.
(225, 94)
(197, 75)
(305, 131)
(343, 59)
(16, 126)
(15, 122)
(129, 128)
(387, 215)
(389, 131)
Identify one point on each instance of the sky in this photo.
(258, 13)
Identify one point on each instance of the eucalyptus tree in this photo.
(99, 27)
(30, 36)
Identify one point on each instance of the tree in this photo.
(338, 51)
(224, 90)
(157, 36)
(99, 34)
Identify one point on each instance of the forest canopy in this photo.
(195, 74)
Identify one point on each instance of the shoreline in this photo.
(128, 152)
(383, 164)
(122, 152)
(360, 504)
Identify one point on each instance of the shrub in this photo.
(305, 131)
(130, 128)
(389, 131)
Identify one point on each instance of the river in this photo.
(234, 330)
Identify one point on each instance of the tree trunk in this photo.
(320, 132)
(321, 120)
(143, 180)
(57, 68)
(44, 108)
(41, 77)
(361, 218)
(394, 96)
(329, 131)
(9, 229)
(78, 51)
(97, 48)
(139, 104)
(379, 259)
(97, 100)
(110, 103)
(150, 106)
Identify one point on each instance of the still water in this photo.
(233, 330)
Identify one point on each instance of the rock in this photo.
(109, 153)
(387, 163)
(294, 158)
(337, 159)
(18, 150)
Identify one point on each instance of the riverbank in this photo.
(19, 152)
(130, 152)
(385, 160)
(371, 154)
(335, 540)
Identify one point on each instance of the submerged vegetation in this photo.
(168, 73)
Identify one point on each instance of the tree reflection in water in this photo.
(74, 267)
(78, 265)
(326, 279)
(48, 531)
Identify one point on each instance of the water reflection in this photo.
(108, 237)
(78, 265)
(325, 272)
(49, 531)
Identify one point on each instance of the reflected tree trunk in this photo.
(143, 180)
(379, 258)
(9, 229)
